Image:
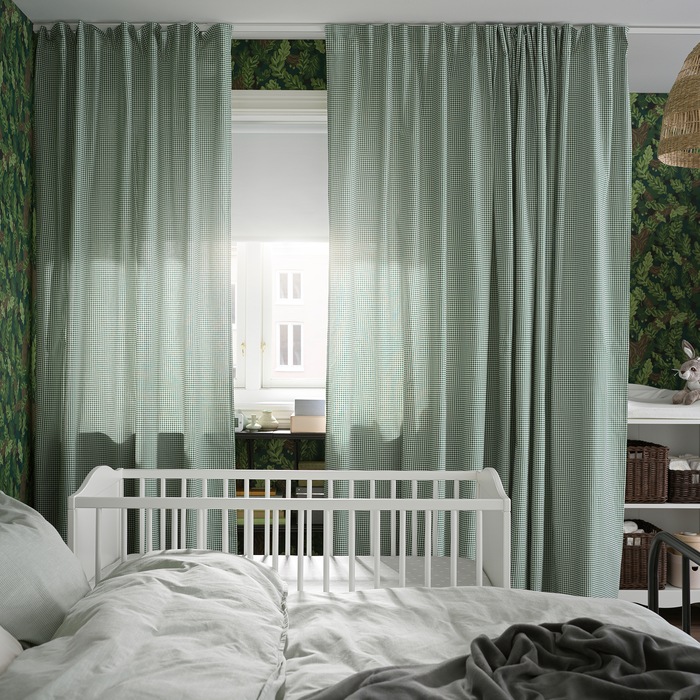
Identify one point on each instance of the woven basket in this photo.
(635, 558)
(683, 486)
(647, 472)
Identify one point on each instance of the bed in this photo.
(142, 605)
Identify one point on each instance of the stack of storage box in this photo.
(309, 416)
(647, 482)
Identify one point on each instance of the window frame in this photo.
(266, 111)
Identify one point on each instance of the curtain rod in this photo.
(317, 31)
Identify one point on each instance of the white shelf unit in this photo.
(682, 437)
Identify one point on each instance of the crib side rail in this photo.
(259, 509)
(96, 541)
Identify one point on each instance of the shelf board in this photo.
(662, 506)
(663, 421)
(669, 597)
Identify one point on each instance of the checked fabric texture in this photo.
(133, 181)
(479, 237)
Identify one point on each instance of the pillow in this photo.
(40, 578)
(9, 649)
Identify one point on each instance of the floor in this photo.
(673, 615)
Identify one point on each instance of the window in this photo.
(288, 287)
(289, 346)
(279, 270)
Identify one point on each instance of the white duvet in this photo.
(179, 625)
(333, 636)
(191, 625)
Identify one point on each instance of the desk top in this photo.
(278, 434)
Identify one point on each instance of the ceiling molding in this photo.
(272, 111)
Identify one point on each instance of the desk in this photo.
(265, 437)
(250, 439)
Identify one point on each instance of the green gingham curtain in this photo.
(133, 180)
(480, 229)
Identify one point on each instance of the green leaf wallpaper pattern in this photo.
(665, 253)
(278, 454)
(16, 251)
(298, 64)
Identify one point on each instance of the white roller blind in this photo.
(279, 167)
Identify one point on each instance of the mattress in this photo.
(652, 404)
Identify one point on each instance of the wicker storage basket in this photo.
(635, 558)
(647, 472)
(683, 486)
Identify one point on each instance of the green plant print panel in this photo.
(299, 64)
(16, 251)
(278, 454)
(665, 253)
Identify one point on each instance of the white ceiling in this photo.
(662, 32)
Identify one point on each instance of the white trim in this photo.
(279, 31)
(664, 30)
(279, 111)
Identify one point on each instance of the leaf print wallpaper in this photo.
(278, 65)
(665, 253)
(16, 251)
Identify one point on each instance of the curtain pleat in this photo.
(133, 252)
(480, 224)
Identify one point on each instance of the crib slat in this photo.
(402, 549)
(454, 546)
(376, 515)
(173, 528)
(98, 545)
(327, 529)
(183, 516)
(266, 535)
(479, 548)
(428, 550)
(414, 521)
(309, 495)
(300, 553)
(225, 544)
(275, 539)
(125, 537)
(351, 551)
(392, 517)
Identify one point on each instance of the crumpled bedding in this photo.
(181, 625)
(582, 658)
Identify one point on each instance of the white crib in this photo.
(412, 523)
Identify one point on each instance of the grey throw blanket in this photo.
(578, 659)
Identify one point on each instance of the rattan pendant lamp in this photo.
(680, 128)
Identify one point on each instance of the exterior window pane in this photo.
(296, 345)
(284, 280)
(284, 345)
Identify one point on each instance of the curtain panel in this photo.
(133, 179)
(479, 233)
